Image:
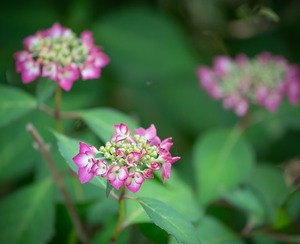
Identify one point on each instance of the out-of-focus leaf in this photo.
(282, 219)
(186, 101)
(153, 233)
(210, 230)
(27, 216)
(222, 159)
(246, 200)
(171, 193)
(16, 149)
(269, 13)
(13, 104)
(170, 220)
(269, 182)
(151, 45)
(45, 89)
(263, 239)
(101, 210)
(102, 120)
(292, 205)
(104, 236)
(266, 127)
(69, 148)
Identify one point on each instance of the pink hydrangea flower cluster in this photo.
(57, 53)
(263, 80)
(126, 159)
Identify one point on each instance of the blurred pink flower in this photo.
(57, 53)
(263, 80)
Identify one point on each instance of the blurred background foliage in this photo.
(155, 48)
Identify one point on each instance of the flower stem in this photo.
(45, 151)
(119, 226)
(57, 109)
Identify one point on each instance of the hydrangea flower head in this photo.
(57, 53)
(126, 159)
(263, 80)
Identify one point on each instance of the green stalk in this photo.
(119, 225)
(57, 109)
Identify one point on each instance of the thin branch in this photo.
(44, 149)
(63, 115)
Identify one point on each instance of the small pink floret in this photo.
(89, 71)
(117, 176)
(122, 132)
(66, 77)
(134, 182)
(85, 161)
(149, 134)
(30, 71)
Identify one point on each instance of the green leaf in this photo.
(212, 231)
(269, 13)
(102, 210)
(249, 202)
(45, 89)
(108, 188)
(102, 120)
(268, 127)
(68, 149)
(268, 181)
(141, 56)
(222, 159)
(13, 104)
(292, 205)
(171, 193)
(14, 141)
(169, 220)
(27, 216)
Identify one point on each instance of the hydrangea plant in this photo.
(263, 80)
(126, 159)
(57, 53)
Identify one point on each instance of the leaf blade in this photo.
(222, 159)
(170, 220)
(102, 120)
(13, 104)
(25, 210)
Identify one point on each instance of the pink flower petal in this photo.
(166, 171)
(241, 108)
(82, 160)
(31, 41)
(155, 166)
(66, 76)
(134, 182)
(50, 70)
(166, 144)
(89, 71)
(83, 148)
(148, 173)
(100, 168)
(222, 65)
(117, 176)
(122, 132)
(133, 158)
(85, 175)
(56, 30)
(149, 134)
(100, 59)
(30, 71)
(87, 38)
(123, 173)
